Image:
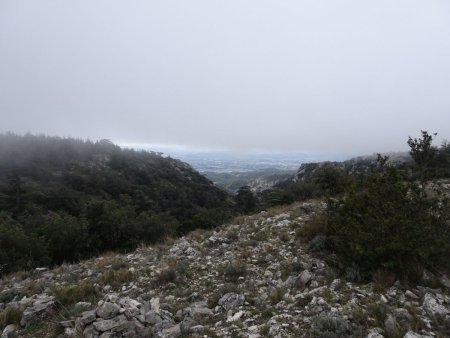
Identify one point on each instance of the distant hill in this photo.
(320, 179)
(63, 199)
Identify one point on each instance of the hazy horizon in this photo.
(321, 77)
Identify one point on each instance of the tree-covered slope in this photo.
(333, 178)
(63, 199)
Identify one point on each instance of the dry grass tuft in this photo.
(383, 279)
(165, 276)
(116, 278)
(11, 315)
(83, 292)
(316, 226)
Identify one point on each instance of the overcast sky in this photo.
(345, 76)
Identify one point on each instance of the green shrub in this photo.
(245, 200)
(261, 235)
(19, 249)
(328, 326)
(318, 243)
(331, 180)
(392, 224)
(352, 272)
(182, 267)
(232, 234)
(289, 192)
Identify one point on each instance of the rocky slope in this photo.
(355, 166)
(252, 278)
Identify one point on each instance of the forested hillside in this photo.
(64, 199)
(333, 178)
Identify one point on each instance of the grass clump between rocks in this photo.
(232, 271)
(213, 300)
(83, 292)
(116, 278)
(276, 296)
(165, 276)
(11, 315)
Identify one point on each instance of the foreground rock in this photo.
(252, 279)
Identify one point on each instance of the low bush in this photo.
(261, 235)
(391, 225)
(328, 326)
(182, 267)
(318, 243)
(232, 234)
(289, 192)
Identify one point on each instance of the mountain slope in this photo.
(252, 278)
(63, 199)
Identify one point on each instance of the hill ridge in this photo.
(67, 199)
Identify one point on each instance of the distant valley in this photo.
(232, 170)
(257, 180)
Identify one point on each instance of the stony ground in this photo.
(252, 278)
